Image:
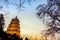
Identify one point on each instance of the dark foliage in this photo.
(50, 14)
(26, 38)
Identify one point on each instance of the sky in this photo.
(29, 22)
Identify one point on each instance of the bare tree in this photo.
(50, 15)
(18, 3)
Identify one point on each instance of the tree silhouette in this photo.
(3, 35)
(21, 38)
(50, 15)
(18, 3)
(26, 38)
(2, 22)
(14, 37)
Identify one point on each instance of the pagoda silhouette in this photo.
(14, 27)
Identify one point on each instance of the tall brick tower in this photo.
(14, 27)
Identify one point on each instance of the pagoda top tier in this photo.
(15, 20)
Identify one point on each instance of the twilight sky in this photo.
(30, 24)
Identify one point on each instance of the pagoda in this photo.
(14, 27)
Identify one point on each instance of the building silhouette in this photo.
(14, 27)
